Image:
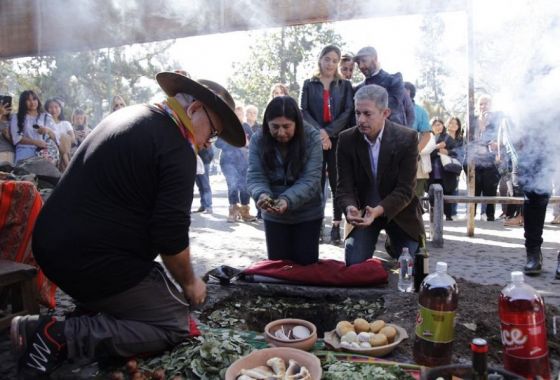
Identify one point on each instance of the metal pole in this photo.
(470, 118)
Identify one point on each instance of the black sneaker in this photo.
(39, 345)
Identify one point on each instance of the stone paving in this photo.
(486, 258)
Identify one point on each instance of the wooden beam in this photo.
(43, 27)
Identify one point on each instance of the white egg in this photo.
(349, 337)
(301, 332)
(364, 337)
(355, 345)
(365, 345)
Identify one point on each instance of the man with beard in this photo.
(402, 108)
(376, 179)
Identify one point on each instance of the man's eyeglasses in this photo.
(213, 130)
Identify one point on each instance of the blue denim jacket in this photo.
(303, 194)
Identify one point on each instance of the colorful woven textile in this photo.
(20, 203)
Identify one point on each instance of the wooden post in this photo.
(470, 118)
(436, 218)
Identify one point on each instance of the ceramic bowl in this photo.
(287, 325)
(332, 340)
(259, 357)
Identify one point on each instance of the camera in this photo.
(6, 100)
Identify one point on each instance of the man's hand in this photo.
(195, 291)
(40, 144)
(370, 214)
(353, 215)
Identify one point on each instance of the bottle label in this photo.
(525, 341)
(435, 326)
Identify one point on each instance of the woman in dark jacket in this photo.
(284, 174)
(457, 150)
(326, 103)
(445, 146)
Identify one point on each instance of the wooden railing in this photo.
(436, 212)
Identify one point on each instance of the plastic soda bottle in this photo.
(435, 322)
(523, 327)
(406, 264)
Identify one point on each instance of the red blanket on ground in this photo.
(322, 273)
(20, 203)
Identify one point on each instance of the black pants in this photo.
(297, 242)
(486, 184)
(534, 211)
(329, 166)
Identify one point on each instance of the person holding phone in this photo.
(30, 128)
(376, 179)
(6, 147)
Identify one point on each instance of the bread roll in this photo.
(344, 327)
(376, 326)
(390, 332)
(378, 340)
(361, 325)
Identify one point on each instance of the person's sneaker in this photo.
(556, 220)
(200, 209)
(490, 219)
(39, 345)
(207, 210)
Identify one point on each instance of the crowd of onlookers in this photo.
(326, 101)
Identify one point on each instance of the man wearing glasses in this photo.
(123, 201)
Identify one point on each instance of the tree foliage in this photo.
(430, 53)
(287, 55)
(88, 79)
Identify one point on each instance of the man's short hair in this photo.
(347, 57)
(373, 93)
(368, 51)
(411, 88)
(251, 107)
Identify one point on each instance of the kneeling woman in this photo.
(284, 178)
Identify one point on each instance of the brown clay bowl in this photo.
(259, 357)
(288, 324)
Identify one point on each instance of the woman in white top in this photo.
(30, 127)
(63, 129)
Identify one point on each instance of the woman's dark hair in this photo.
(22, 107)
(459, 133)
(438, 120)
(284, 106)
(54, 100)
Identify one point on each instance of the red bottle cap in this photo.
(479, 345)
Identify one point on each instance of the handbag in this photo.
(51, 152)
(451, 164)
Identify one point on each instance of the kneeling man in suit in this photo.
(376, 163)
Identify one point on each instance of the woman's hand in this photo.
(443, 151)
(280, 207)
(325, 140)
(265, 202)
(40, 144)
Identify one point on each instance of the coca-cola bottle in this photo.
(524, 329)
(435, 321)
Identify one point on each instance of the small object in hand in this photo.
(269, 203)
(36, 126)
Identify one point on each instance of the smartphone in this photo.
(7, 100)
(36, 126)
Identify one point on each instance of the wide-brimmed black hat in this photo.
(213, 95)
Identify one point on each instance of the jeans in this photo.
(150, 317)
(297, 242)
(203, 183)
(236, 179)
(360, 245)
